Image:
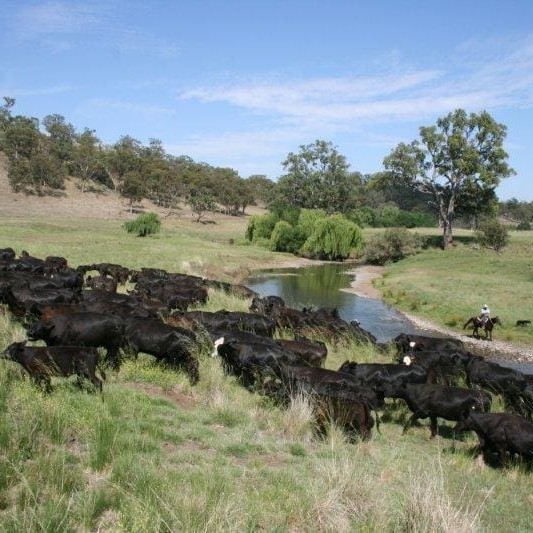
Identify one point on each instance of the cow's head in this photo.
(408, 360)
(39, 331)
(13, 350)
(216, 344)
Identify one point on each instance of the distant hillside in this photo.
(73, 203)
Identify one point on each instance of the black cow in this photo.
(175, 296)
(311, 351)
(101, 283)
(502, 433)
(234, 320)
(433, 401)
(83, 329)
(336, 396)
(173, 345)
(511, 384)
(68, 278)
(55, 264)
(266, 304)
(241, 291)
(386, 378)
(409, 343)
(118, 272)
(7, 254)
(444, 366)
(252, 361)
(21, 301)
(43, 362)
(496, 378)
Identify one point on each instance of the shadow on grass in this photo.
(435, 241)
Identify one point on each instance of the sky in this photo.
(242, 83)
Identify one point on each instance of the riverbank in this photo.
(363, 285)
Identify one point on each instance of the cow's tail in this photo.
(376, 415)
(101, 370)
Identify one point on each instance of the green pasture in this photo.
(216, 250)
(448, 287)
(159, 455)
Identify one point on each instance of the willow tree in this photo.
(461, 154)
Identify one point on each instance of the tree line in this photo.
(449, 173)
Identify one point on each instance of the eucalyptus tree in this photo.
(317, 178)
(61, 137)
(461, 154)
(88, 159)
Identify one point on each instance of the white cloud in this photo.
(55, 18)
(412, 95)
(103, 104)
(348, 107)
(35, 91)
(61, 26)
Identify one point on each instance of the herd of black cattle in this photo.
(76, 314)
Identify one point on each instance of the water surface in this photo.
(321, 286)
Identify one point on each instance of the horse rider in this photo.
(484, 314)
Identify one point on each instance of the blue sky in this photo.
(241, 84)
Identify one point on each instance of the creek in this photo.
(322, 286)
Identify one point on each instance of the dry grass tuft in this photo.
(298, 421)
(429, 506)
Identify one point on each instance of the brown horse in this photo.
(478, 324)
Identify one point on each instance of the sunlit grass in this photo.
(450, 287)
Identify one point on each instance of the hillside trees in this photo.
(201, 201)
(88, 159)
(61, 137)
(261, 188)
(461, 153)
(32, 168)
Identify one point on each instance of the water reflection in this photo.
(320, 286)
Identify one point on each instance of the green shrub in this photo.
(289, 213)
(261, 227)
(363, 216)
(392, 245)
(391, 216)
(143, 225)
(286, 238)
(523, 226)
(492, 234)
(334, 238)
(308, 219)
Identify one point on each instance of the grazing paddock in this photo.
(161, 454)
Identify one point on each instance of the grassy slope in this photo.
(449, 287)
(158, 454)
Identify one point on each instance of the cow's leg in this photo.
(433, 425)
(502, 453)
(411, 420)
(113, 358)
(96, 382)
(43, 381)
